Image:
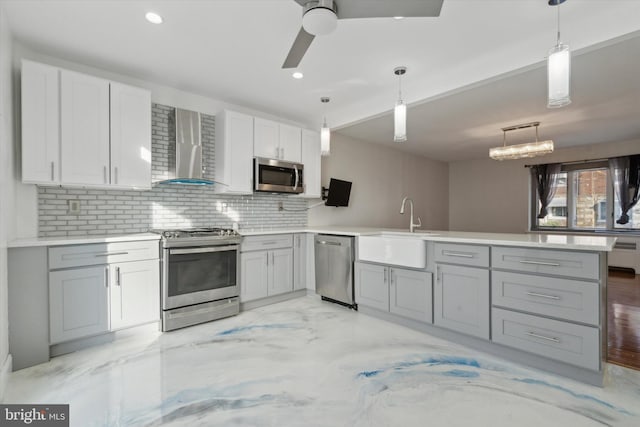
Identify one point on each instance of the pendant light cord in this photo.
(399, 87)
(558, 41)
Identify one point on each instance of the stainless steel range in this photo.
(199, 274)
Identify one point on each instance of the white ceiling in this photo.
(233, 50)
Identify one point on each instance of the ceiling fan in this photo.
(320, 17)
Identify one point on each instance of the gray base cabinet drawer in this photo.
(476, 256)
(266, 242)
(461, 299)
(583, 265)
(573, 344)
(410, 294)
(573, 300)
(102, 253)
(372, 286)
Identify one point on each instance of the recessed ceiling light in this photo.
(297, 75)
(397, 18)
(154, 18)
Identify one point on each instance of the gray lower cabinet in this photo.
(265, 273)
(299, 261)
(78, 303)
(567, 342)
(410, 294)
(372, 289)
(400, 291)
(461, 299)
(86, 299)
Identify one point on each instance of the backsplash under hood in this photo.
(188, 159)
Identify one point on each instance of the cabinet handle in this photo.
(52, 172)
(324, 242)
(106, 277)
(110, 254)
(282, 153)
(542, 337)
(385, 275)
(118, 276)
(438, 274)
(549, 264)
(272, 242)
(104, 171)
(457, 254)
(267, 254)
(391, 276)
(273, 258)
(535, 294)
(115, 178)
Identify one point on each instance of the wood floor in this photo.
(623, 295)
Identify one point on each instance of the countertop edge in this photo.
(79, 240)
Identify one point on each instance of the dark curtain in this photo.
(626, 181)
(546, 179)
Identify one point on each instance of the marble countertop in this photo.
(532, 240)
(535, 240)
(80, 240)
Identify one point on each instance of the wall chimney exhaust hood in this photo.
(188, 148)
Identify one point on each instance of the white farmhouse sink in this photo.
(403, 249)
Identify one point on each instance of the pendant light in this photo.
(325, 132)
(400, 110)
(558, 69)
(521, 151)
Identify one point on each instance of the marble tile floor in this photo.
(306, 362)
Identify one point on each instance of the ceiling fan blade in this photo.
(300, 45)
(350, 9)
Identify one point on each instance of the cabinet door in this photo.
(234, 153)
(253, 275)
(266, 138)
(410, 294)
(311, 160)
(299, 261)
(372, 286)
(280, 271)
(130, 136)
(461, 299)
(290, 143)
(40, 123)
(84, 129)
(78, 303)
(134, 293)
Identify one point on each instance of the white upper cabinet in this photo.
(130, 136)
(80, 130)
(290, 146)
(234, 153)
(275, 140)
(84, 129)
(40, 123)
(266, 138)
(311, 160)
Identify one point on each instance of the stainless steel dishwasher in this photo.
(334, 268)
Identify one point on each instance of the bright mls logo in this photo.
(34, 415)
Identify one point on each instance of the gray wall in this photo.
(381, 178)
(164, 206)
(491, 196)
(6, 185)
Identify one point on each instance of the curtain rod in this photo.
(577, 162)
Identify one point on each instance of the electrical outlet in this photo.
(280, 206)
(73, 207)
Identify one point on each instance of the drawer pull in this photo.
(535, 294)
(542, 337)
(457, 254)
(269, 243)
(110, 254)
(549, 264)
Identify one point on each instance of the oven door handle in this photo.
(203, 250)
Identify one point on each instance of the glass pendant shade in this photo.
(559, 76)
(325, 140)
(521, 151)
(400, 122)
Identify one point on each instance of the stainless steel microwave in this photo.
(277, 176)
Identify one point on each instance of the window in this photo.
(584, 200)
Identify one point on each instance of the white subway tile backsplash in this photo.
(129, 211)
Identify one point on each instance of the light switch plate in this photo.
(73, 207)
